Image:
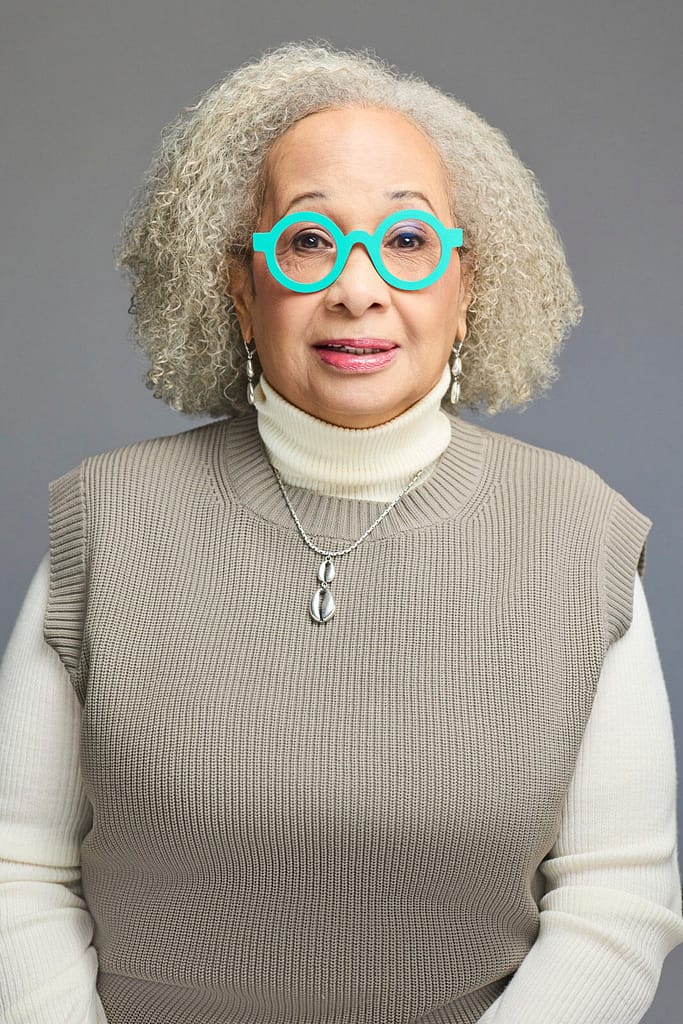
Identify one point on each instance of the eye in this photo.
(304, 237)
(413, 238)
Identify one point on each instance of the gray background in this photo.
(589, 94)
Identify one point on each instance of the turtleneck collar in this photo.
(371, 464)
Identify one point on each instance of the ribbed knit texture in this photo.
(345, 822)
(374, 463)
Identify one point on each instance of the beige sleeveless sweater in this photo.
(343, 823)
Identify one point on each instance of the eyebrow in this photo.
(406, 193)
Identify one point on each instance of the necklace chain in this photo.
(322, 606)
(342, 551)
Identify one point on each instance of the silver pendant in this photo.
(322, 603)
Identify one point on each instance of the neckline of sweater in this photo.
(456, 486)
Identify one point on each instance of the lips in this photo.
(365, 358)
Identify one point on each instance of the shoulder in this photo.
(575, 510)
(165, 447)
(562, 492)
(538, 472)
(163, 456)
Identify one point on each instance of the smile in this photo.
(354, 351)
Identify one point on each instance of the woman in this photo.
(372, 723)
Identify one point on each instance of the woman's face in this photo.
(354, 157)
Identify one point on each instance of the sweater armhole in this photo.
(625, 545)
(65, 610)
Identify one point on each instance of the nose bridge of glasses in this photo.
(365, 240)
(358, 236)
(349, 241)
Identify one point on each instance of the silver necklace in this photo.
(322, 606)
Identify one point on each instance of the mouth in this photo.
(356, 355)
(357, 346)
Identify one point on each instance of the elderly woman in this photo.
(338, 707)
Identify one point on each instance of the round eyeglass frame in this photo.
(264, 241)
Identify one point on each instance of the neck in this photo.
(372, 464)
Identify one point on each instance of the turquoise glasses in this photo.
(306, 251)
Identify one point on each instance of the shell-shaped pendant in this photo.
(250, 393)
(322, 605)
(326, 571)
(455, 391)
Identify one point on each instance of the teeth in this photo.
(354, 351)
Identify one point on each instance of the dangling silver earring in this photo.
(251, 374)
(456, 369)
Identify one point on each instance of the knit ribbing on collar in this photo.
(459, 483)
(373, 463)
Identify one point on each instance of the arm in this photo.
(48, 967)
(612, 908)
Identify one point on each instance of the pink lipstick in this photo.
(357, 355)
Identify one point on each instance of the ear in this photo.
(241, 290)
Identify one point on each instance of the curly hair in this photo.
(200, 201)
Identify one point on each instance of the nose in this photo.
(358, 285)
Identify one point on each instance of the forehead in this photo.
(354, 155)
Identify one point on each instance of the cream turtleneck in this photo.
(373, 463)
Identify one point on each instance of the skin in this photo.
(354, 156)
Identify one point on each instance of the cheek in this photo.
(282, 320)
(440, 309)
(447, 301)
(270, 311)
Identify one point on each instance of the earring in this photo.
(456, 368)
(251, 374)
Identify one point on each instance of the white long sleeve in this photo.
(48, 965)
(611, 914)
(612, 908)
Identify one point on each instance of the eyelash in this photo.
(401, 234)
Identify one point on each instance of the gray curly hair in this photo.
(192, 219)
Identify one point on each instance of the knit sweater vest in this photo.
(338, 823)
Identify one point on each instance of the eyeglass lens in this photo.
(306, 252)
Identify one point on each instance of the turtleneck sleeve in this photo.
(48, 963)
(612, 907)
